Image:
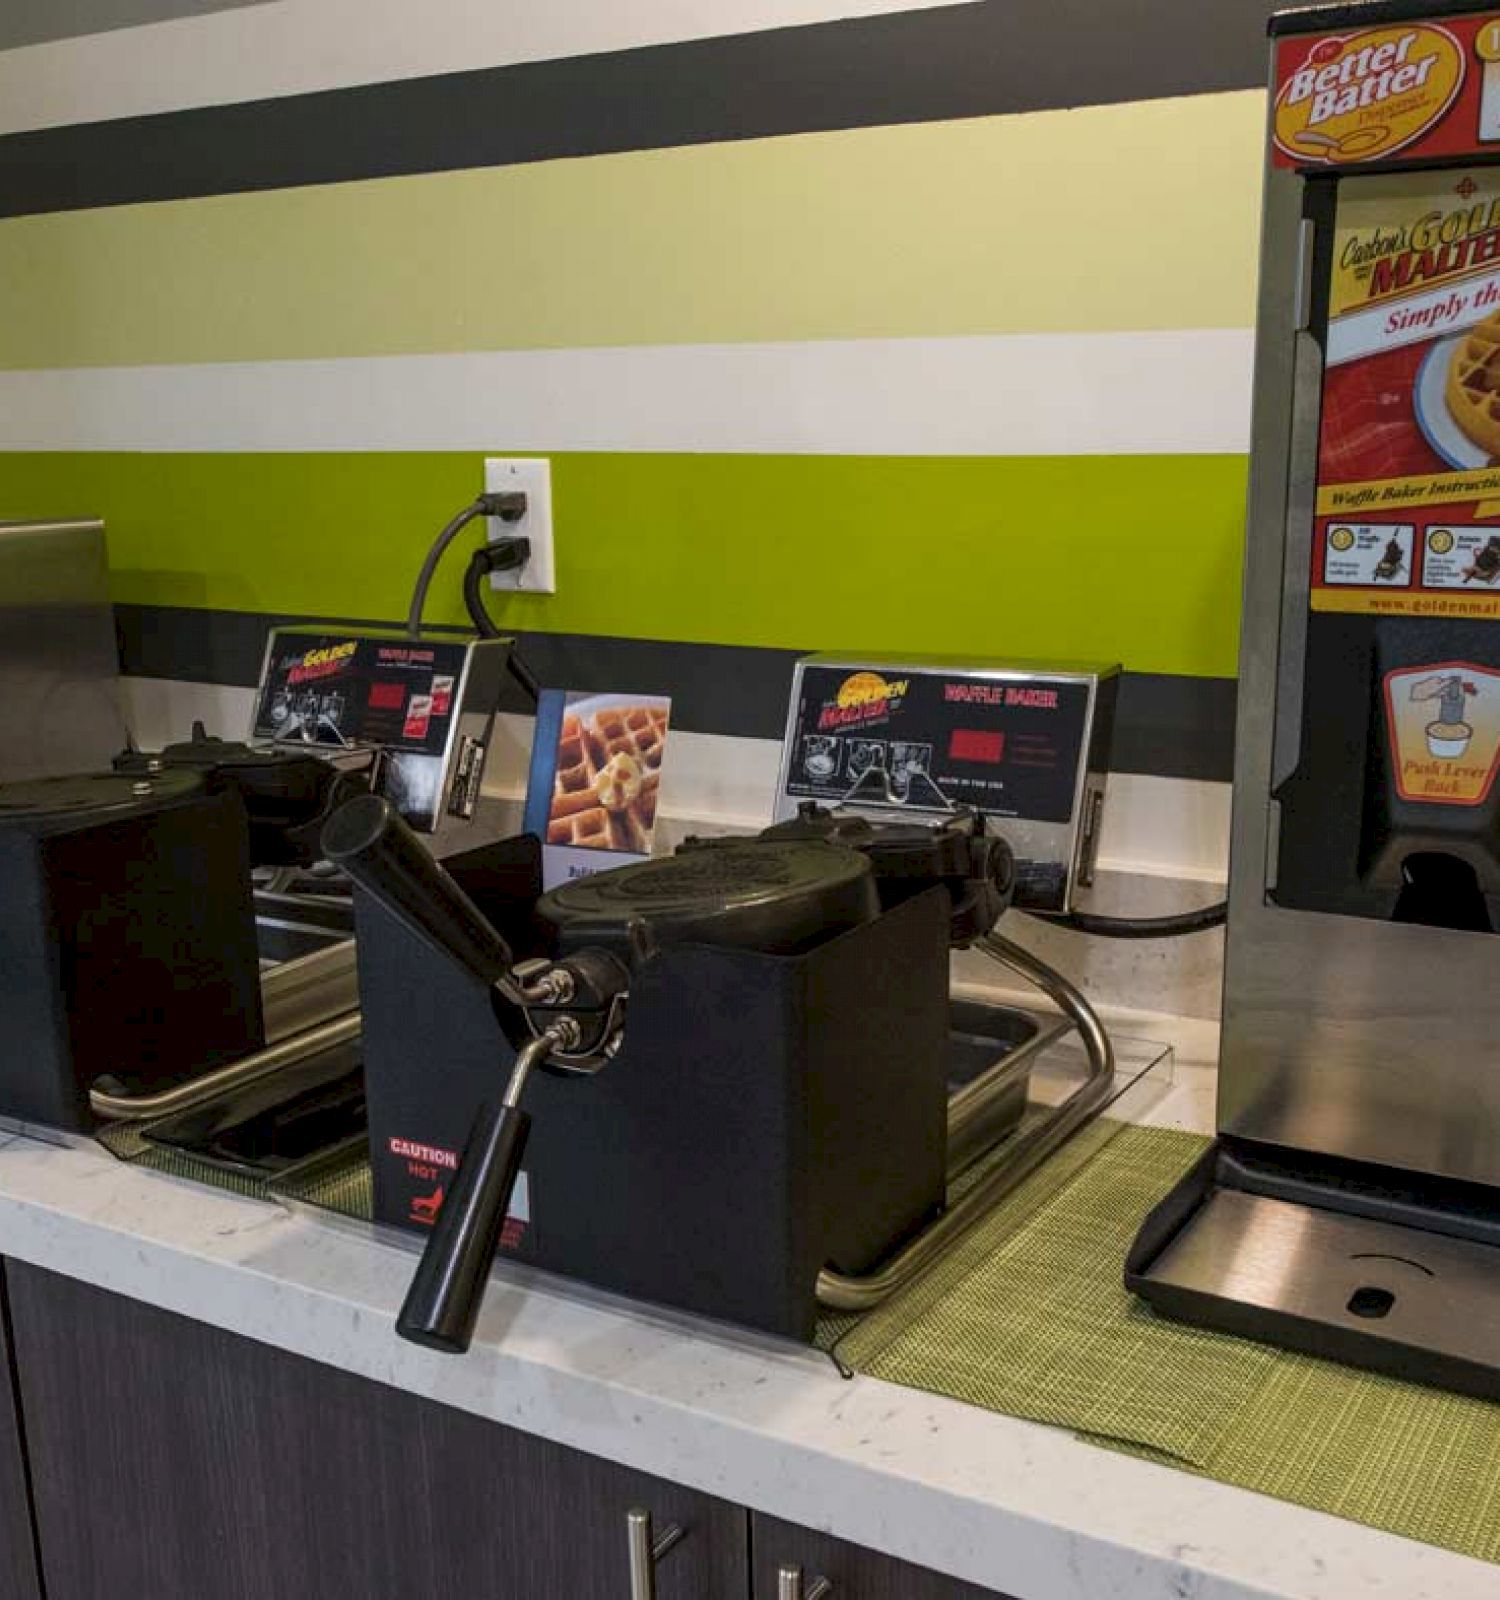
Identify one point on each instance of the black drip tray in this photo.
(990, 1051)
(981, 1036)
(296, 1118)
(1380, 1269)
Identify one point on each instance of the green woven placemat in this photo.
(1031, 1318)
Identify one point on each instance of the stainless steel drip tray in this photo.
(1328, 1270)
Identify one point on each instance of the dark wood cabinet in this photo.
(169, 1459)
(852, 1573)
(18, 1574)
(172, 1460)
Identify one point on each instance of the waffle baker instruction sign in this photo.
(595, 780)
(1408, 502)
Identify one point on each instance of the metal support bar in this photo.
(248, 1069)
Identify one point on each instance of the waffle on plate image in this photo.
(1473, 388)
(608, 778)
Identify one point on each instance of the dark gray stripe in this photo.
(922, 66)
(36, 21)
(1171, 727)
(1175, 727)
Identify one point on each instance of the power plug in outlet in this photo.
(533, 476)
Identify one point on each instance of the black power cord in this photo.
(508, 505)
(504, 555)
(1173, 927)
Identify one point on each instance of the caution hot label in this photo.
(1444, 723)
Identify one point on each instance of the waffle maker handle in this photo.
(442, 1304)
(368, 838)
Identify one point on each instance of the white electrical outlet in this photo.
(533, 476)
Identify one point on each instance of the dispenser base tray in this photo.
(1378, 1269)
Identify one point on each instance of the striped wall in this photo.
(859, 324)
(24, 22)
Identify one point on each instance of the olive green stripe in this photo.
(1134, 558)
(1108, 218)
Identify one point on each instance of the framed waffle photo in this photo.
(595, 781)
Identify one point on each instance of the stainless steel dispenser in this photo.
(1351, 1205)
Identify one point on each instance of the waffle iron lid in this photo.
(42, 800)
(759, 895)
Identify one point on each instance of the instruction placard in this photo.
(1408, 501)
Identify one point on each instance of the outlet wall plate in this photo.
(533, 476)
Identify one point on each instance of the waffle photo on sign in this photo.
(595, 779)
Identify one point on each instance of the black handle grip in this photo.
(370, 840)
(442, 1305)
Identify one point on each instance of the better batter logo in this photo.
(1368, 94)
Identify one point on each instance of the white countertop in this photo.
(1020, 1508)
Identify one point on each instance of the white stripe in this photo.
(1156, 827)
(296, 46)
(1185, 392)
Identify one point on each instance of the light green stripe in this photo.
(1108, 218)
(1135, 558)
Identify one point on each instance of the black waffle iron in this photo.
(127, 945)
(288, 795)
(743, 1052)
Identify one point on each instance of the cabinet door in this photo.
(18, 1579)
(852, 1572)
(172, 1460)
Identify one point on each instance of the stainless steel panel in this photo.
(1370, 1040)
(59, 666)
(1296, 563)
(1071, 844)
(1444, 1292)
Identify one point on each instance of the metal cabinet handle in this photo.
(645, 1552)
(789, 1586)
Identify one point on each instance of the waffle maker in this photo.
(128, 942)
(777, 897)
(762, 1024)
(288, 794)
(977, 868)
(129, 956)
